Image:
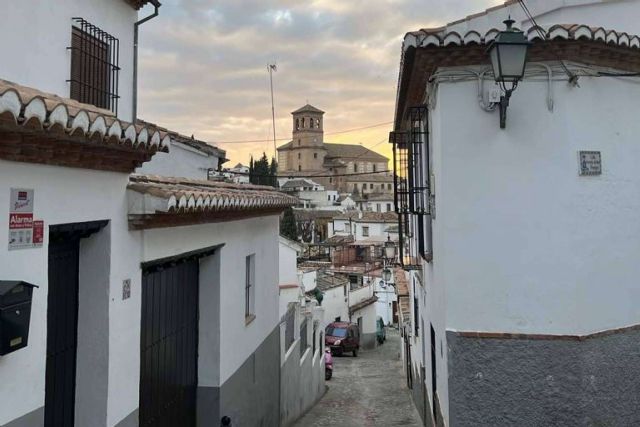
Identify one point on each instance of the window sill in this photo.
(248, 319)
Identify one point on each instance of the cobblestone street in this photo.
(368, 390)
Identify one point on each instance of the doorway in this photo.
(169, 344)
(62, 320)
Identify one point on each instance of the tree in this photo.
(261, 173)
(288, 227)
(273, 171)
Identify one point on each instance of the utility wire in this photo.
(573, 78)
(241, 141)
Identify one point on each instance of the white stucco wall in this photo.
(182, 161)
(369, 316)
(38, 33)
(65, 195)
(375, 229)
(257, 236)
(287, 264)
(335, 305)
(528, 245)
(386, 297)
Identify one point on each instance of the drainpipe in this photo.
(156, 5)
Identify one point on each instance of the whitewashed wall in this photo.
(86, 196)
(38, 32)
(335, 305)
(530, 245)
(241, 238)
(90, 195)
(181, 161)
(287, 263)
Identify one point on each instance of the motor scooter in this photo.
(328, 364)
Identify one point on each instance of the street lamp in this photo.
(508, 53)
(389, 249)
(386, 275)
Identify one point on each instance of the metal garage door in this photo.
(169, 344)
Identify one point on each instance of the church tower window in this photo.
(311, 123)
(303, 123)
(298, 126)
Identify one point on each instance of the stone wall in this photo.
(568, 381)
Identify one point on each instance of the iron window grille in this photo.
(95, 55)
(401, 191)
(418, 152)
(420, 174)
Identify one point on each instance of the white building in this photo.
(335, 301)
(187, 158)
(363, 225)
(301, 339)
(522, 242)
(386, 306)
(382, 202)
(130, 268)
(311, 194)
(302, 381)
(238, 174)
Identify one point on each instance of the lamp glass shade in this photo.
(389, 250)
(508, 61)
(386, 275)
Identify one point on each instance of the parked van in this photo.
(342, 337)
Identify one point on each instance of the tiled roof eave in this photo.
(163, 202)
(43, 128)
(362, 304)
(424, 51)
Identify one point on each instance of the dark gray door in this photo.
(62, 333)
(169, 345)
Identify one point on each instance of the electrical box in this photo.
(15, 314)
(494, 94)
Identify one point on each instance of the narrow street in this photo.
(369, 390)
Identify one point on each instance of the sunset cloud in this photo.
(204, 65)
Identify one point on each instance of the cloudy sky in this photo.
(204, 66)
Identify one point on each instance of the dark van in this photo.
(342, 337)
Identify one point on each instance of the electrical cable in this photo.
(243, 141)
(573, 78)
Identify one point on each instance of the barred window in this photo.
(412, 188)
(94, 66)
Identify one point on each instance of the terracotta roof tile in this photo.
(352, 151)
(362, 304)
(368, 217)
(187, 195)
(24, 107)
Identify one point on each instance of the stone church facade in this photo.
(307, 155)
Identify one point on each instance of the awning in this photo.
(156, 201)
(38, 127)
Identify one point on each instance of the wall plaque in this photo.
(590, 163)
